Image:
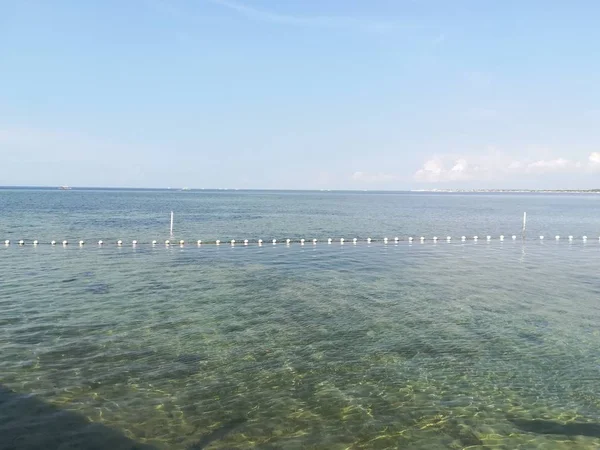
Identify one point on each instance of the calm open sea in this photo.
(422, 346)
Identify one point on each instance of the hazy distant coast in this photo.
(531, 191)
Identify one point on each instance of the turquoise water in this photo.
(425, 346)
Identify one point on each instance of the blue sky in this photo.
(300, 94)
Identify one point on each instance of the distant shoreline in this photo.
(322, 191)
(514, 191)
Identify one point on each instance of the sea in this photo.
(478, 344)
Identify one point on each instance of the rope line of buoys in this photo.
(288, 241)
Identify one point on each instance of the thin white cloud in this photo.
(498, 166)
(363, 24)
(553, 165)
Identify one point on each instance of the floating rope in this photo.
(260, 242)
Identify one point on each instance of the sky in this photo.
(300, 94)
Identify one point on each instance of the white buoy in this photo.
(489, 238)
(410, 239)
(463, 238)
(260, 241)
(35, 242)
(514, 238)
(134, 243)
(329, 240)
(274, 241)
(288, 241)
(541, 238)
(385, 240)
(199, 243)
(233, 242)
(557, 237)
(501, 237)
(314, 242)
(354, 241)
(396, 239)
(53, 243)
(7, 242)
(65, 243)
(21, 242)
(218, 242)
(369, 240)
(81, 243)
(448, 238)
(435, 238)
(570, 238)
(245, 241)
(302, 241)
(119, 243)
(154, 243)
(585, 238)
(167, 243)
(422, 239)
(342, 241)
(475, 238)
(100, 243)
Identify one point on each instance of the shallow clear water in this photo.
(425, 346)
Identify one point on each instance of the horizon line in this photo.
(186, 189)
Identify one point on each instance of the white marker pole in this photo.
(172, 217)
(524, 223)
